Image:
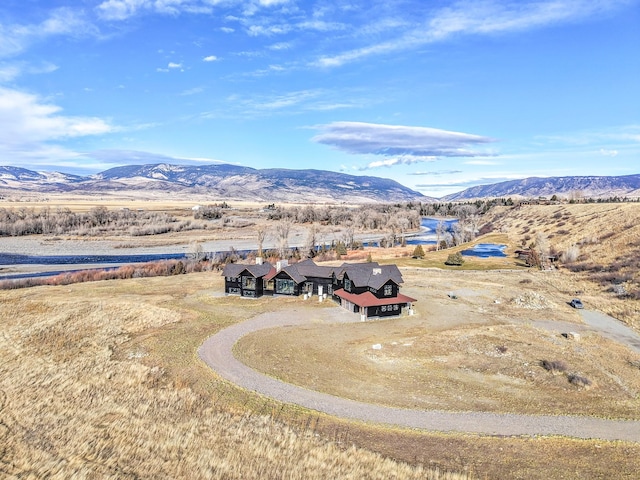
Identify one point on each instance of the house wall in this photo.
(324, 282)
(386, 310)
(391, 290)
(232, 285)
(280, 279)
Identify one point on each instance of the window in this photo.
(395, 307)
(383, 308)
(388, 290)
(347, 284)
(284, 286)
(249, 283)
(234, 291)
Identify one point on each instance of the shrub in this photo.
(418, 252)
(579, 381)
(454, 259)
(571, 254)
(554, 366)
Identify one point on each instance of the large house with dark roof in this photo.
(370, 289)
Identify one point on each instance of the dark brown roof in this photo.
(308, 268)
(236, 269)
(293, 273)
(372, 274)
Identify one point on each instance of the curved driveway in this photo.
(217, 352)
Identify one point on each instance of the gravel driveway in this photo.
(217, 352)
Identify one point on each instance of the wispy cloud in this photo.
(210, 58)
(124, 9)
(115, 157)
(31, 129)
(437, 173)
(295, 102)
(399, 144)
(192, 91)
(482, 17)
(15, 38)
(481, 162)
(609, 153)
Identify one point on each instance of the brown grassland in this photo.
(102, 379)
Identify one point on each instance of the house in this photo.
(246, 280)
(370, 289)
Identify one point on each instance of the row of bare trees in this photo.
(99, 220)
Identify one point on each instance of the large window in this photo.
(249, 283)
(284, 286)
(347, 284)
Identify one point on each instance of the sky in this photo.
(439, 95)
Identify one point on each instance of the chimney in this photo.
(281, 264)
(258, 260)
(377, 271)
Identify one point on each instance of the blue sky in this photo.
(438, 95)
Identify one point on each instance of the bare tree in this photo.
(441, 232)
(312, 240)
(283, 227)
(196, 252)
(261, 234)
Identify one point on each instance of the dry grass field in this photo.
(102, 380)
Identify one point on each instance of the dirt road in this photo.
(217, 352)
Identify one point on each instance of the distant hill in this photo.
(533, 187)
(217, 181)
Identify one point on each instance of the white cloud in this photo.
(400, 160)
(280, 46)
(28, 125)
(121, 9)
(192, 91)
(227, 29)
(124, 9)
(609, 153)
(174, 65)
(15, 38)
(483, 17)
(210, 58)
(399, 144)
(481, 162)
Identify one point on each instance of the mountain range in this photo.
(564, 187)
(220, 181)
(226, 181)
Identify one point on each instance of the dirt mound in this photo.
(532, 301)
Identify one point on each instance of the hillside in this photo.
(564, 187)
(219, 181)
(599, 244)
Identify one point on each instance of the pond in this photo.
(485, 250)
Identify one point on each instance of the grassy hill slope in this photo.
(598, 243)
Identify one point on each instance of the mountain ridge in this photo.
(218, 180)
(590, 186)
